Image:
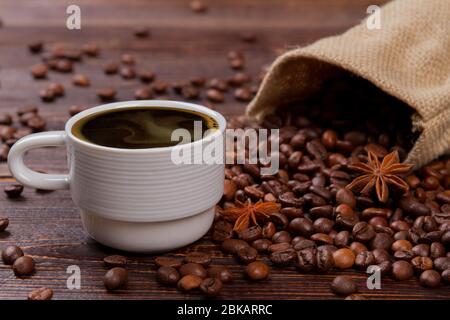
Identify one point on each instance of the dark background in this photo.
(183, 45)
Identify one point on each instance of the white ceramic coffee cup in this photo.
(132, 199)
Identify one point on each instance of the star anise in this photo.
(380, 175)
(248, 212)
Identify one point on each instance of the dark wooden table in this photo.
(183, 44)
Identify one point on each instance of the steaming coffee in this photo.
(140, 127)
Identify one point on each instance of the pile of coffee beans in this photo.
(321, 224)
(193, 272)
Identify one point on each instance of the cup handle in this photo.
(32, 178)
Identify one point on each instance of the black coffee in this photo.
(141, 127)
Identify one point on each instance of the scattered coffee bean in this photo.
(39, 71)
(115, 261)
(13, 191)
(343, 285)
(115, 278)
(193, 269)
(75, 109)
(247, 254)
(10, 254)
(233, 245)
(41, 294)
(4, 222)
(36, 123)
(57, 88)
(91, 49)
(128, 59)
(163, 261)
(142, 32)
(402, 270)
(23, 266)
(211, 286)
(198, 6)
(81, 80)
(127, 72)
(167, 275)
(111, 68)
(36, 47)
(257, 270)
(189, 282)
(144, 93)
(430, 279)
(215, 95)
(106, 94)
(146, 76)
(198, 257)
(344, 258)
(220, 272)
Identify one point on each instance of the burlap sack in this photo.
(409, 58)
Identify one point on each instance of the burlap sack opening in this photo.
(408, 58)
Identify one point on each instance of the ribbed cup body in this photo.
(141, 187)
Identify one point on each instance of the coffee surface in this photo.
(141, 127)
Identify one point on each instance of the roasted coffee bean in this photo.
(41, 294)
(382, 241)
(39, 71)
(10, 254)
(362, 231)
(249, 37)
(282, 236)
(81, 80)
(141, 32)
(5, 119)
(193, 269)
(261, 245)
(115, 261)
(280, 220)
(268, 230)
(283, 257)
(167, 275)
(75, 109)
(189, 282)
(233, 245)
(430, 279)
(307, 259)
(247, 254)
(402, 270)
(323, 225)
(321, 238)
(163, 261)
(358, 247)
(364, 260)
(345, 196)
(412, 206)
(243, 94)
(4, 222)
(442, 263)
(115, 278)
(36, 47)
(324, 259)
(220, 272)
(342, 239)
(91, 49)
(13, 191)
(64, 65)
(403, 255)
(301, 226)
(106, 94)
(111, 67)
(215, 95)
(322, 211)
(437, 250)
(23, 266)
(422, 263)
(144, 93)
(250, 234)
(127, 72)
(257, 270)
(422, 250)
(302, 243)
(198, 257)
(211, 286)
(403, 245)
(47, 95)
(128, 59)
(36, 123)
(253, 193)
(198, 6)
(344, 258)
(343, 285)
(446, 276)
